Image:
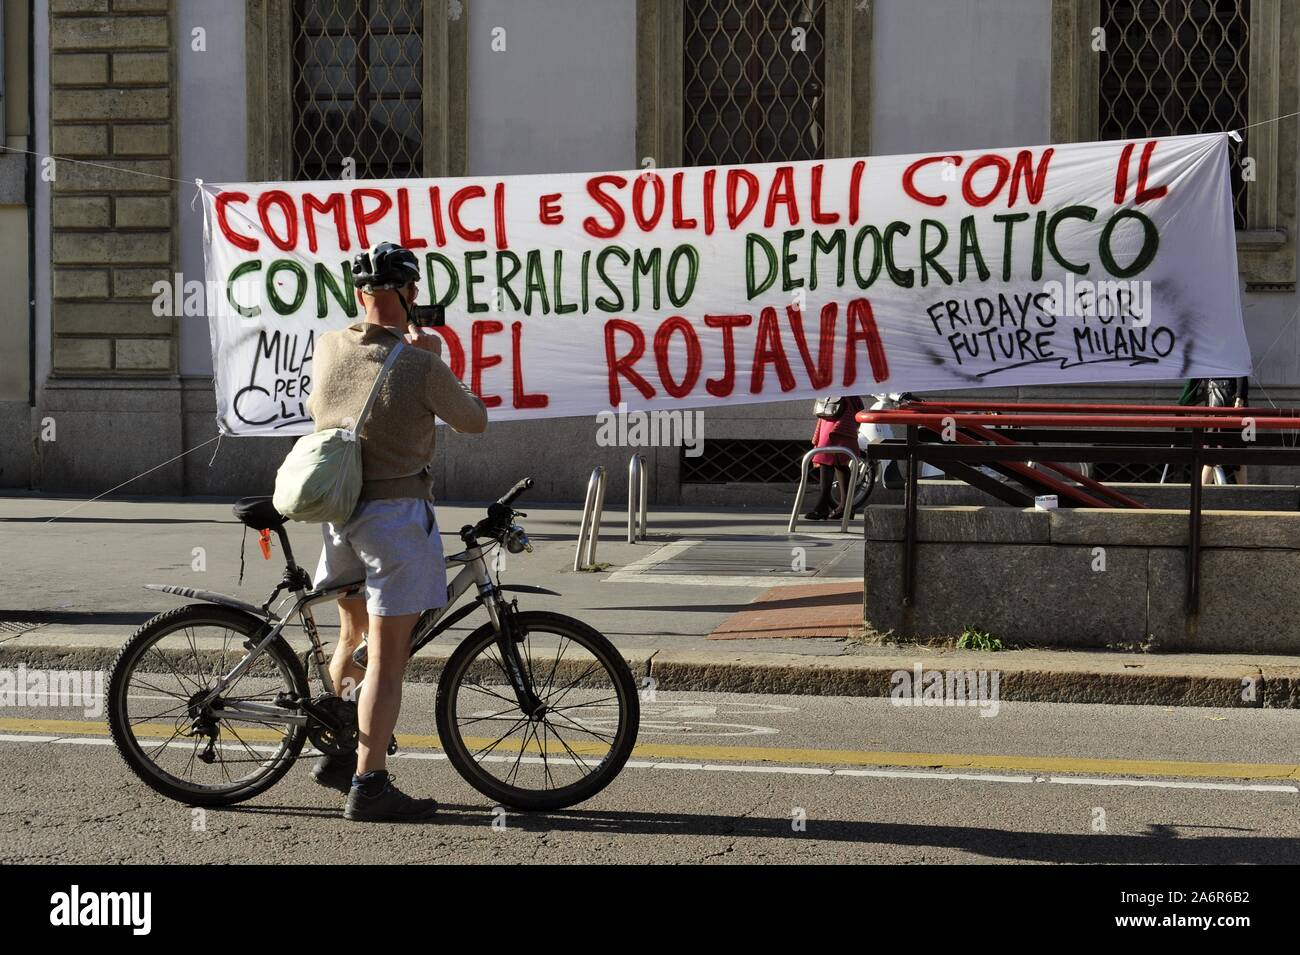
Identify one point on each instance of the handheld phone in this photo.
(429, 316)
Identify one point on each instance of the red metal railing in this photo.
(1072, 408)
(937, 420)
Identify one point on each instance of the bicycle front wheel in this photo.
(569, 752)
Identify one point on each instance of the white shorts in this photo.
(394, 545)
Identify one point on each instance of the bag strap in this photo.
(374, 389)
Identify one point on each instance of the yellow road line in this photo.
(784, 755)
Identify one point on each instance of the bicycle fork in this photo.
(502, 614)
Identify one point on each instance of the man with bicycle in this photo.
(391, 539)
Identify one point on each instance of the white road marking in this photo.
(762, 769)
(1171, 784)
(919, 774)
(658, 556)
(638, 571)
(726, 580)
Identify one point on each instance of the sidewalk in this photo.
(714, 600)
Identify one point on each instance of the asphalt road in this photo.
(731, 778)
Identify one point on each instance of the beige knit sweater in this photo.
(398, 437)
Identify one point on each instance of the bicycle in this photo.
(536, 710)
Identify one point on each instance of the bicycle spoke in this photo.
(484, 690)
(564, 690)
(219, 666)
(493, 744)
(532, 728)
(578, 706)
(168, 664)
(158, 689)
(555, 663)
(480, 719)
(588, 730)
(250, 749)
(194, 652)
(582, 764)
(163, 744)
(189, 763)
(146, 719)
(546, 762)
(221, 760)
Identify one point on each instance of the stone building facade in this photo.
(135, 99)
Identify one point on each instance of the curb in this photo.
(1029, 685)
(1153, 682)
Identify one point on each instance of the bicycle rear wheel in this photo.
(574, 749)
(182, 749)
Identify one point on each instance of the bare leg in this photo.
(388, 649)
(345, 673)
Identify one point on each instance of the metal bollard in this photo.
(803, 484)
(638, 484)
(589, 529)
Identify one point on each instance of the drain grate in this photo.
(16, 628)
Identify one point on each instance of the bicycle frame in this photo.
(473, 572)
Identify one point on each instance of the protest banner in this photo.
(679, 288)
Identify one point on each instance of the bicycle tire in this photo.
(476, 775)
(119, 722)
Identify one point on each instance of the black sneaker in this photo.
(335, 772)
(376, 799)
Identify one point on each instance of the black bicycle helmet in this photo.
(385, 266)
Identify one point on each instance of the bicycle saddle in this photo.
(259, 513)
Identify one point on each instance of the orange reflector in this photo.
(264, 542)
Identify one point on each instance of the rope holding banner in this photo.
(215, 451)
(198, 191)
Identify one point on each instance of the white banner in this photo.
(677, 288)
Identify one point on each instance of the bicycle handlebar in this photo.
(499, 516)
(510, 495)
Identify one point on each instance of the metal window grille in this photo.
(357, 90)
(753, 81)
(1173, 67)
(731, 460)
